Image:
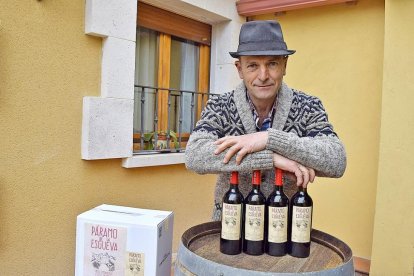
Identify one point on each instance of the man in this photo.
(263, 123)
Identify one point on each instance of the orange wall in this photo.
(339, 59)
(47, 65)
(393, 239)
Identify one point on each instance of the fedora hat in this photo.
(261, 38)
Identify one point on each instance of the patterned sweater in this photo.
(300, 131)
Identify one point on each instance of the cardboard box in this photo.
(123, 241)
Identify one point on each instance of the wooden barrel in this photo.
(199, 254)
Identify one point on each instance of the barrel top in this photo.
(327, 252)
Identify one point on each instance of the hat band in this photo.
(262, 46)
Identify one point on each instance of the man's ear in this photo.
(239, 68)
(284, 68)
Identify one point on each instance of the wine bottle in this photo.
(277, 218)
(301, 223)
(254, 218)
(231, 218)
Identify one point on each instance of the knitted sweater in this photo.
(300, 131)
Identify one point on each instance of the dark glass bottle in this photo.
(301, 223)
(254, 218)
(277, 218)
(231, 218)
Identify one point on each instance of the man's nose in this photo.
(263, 73)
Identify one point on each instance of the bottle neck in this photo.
(234, 186)
(278, 188)
(256, 187)
(234, 178)
(303, 190)
(256, 178)
(278, 177)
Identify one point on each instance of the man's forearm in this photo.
(326, 155)
(200, 157)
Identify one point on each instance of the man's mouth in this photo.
(263, 85)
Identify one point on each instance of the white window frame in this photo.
(107, 120)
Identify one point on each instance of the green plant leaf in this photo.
(148, 136)
(173, 135)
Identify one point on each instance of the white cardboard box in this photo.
(123, 241)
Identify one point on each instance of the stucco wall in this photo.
(47, 65)
(393, 247)
(339, 59)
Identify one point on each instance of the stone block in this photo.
(116, 18)
(107, 128)
(118, 65)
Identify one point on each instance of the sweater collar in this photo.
(284, 101)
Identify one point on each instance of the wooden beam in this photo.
(258, 7)
(203, 77)
(163, 80)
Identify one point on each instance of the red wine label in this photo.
(301, 224)
(231, 221)
(278, 224)
(105, 247)
(134, 264)
(254, 224)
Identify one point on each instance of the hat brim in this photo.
(262, 53)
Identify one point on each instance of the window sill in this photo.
(139, 161)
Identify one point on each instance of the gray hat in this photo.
(261, 38)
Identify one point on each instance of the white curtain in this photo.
(189, 81)
(145, 74)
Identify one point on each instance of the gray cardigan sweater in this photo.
(300, 131)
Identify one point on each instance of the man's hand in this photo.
(241, 145)
(300, 173)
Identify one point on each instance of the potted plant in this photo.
(149, 140)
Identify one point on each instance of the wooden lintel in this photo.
(259, 7)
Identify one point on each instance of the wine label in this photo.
(301, 224)
(278, 224)
(231, 221)
(104, 248)
(134, 264)
(254, 224)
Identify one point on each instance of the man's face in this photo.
(262, 76)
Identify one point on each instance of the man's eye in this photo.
(252, 66)
(273, 64)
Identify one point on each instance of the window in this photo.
(171, 78)
(107, 124)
